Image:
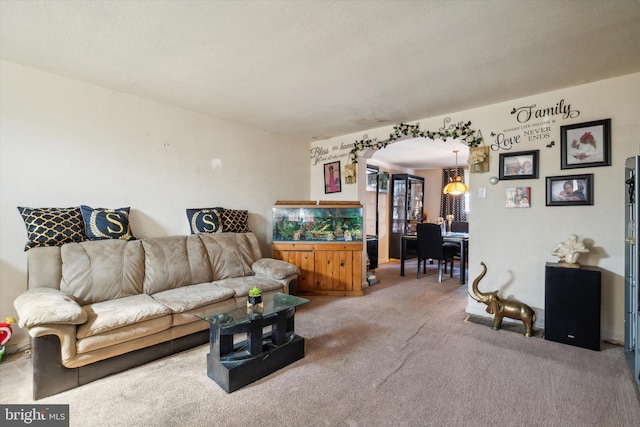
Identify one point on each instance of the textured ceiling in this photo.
(318, 69)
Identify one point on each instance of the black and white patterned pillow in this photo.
(52, 226)
(205, 220)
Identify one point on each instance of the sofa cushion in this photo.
(274, 268)
(174, 261)
(189, 297)
(229, 254)
(241, 285)
(52, 226)
(117, 313)
(44, 267)
(102, 223)
(48, 306)
(206, 220)
(133, 332)
(95, 271)
(191, 316)
(235, 221)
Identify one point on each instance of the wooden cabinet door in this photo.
(329, 269)
(304, 260)
(338, 272)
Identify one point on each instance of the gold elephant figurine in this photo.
(501, 308)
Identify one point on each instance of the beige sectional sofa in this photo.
(99, 307)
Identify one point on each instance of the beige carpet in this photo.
(402, 355)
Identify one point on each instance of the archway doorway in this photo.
(410, 150)
(415, 156)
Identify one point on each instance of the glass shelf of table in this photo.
(243, 314)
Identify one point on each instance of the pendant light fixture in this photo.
(455, 186)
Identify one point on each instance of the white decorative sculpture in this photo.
(569, 251)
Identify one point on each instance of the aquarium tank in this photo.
(317, 223)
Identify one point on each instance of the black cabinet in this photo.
(572, 306)
(372, 251)
(376, 182)
(407, 200)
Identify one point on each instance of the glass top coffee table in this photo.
(234, 365)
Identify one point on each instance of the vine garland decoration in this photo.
(461, 131)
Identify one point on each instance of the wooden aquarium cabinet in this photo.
(325, 241)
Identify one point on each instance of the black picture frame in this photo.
(585, 145)
(372, 181)
(514, 165)
(383, 181)
(332, 178)
(581, 190)
(378, 182)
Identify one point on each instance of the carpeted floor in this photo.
(402, 355)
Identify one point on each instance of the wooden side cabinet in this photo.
(326, 268)
(572, 306)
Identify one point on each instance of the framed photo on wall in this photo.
(519, 197)
(383, 180)
(585, 145)
(570, 190)
(332, 180)
(372, 181)
(520, 165)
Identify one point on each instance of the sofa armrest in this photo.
(275, 268)
(66, 335)
(46, 306)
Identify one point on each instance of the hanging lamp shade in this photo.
(456, 186)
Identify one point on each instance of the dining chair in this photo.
(459, 227)
(429, 245)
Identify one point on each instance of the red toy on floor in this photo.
(5, 334)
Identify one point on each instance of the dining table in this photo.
(453, 237)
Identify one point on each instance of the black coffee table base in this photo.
(270, 341)
(234, 374)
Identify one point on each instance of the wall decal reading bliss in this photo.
(322, 154)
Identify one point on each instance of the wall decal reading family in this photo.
(536, 131)
(526, 113)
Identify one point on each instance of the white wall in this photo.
(432, 192)
(516, 243)
(65, 143)
(328, 151)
